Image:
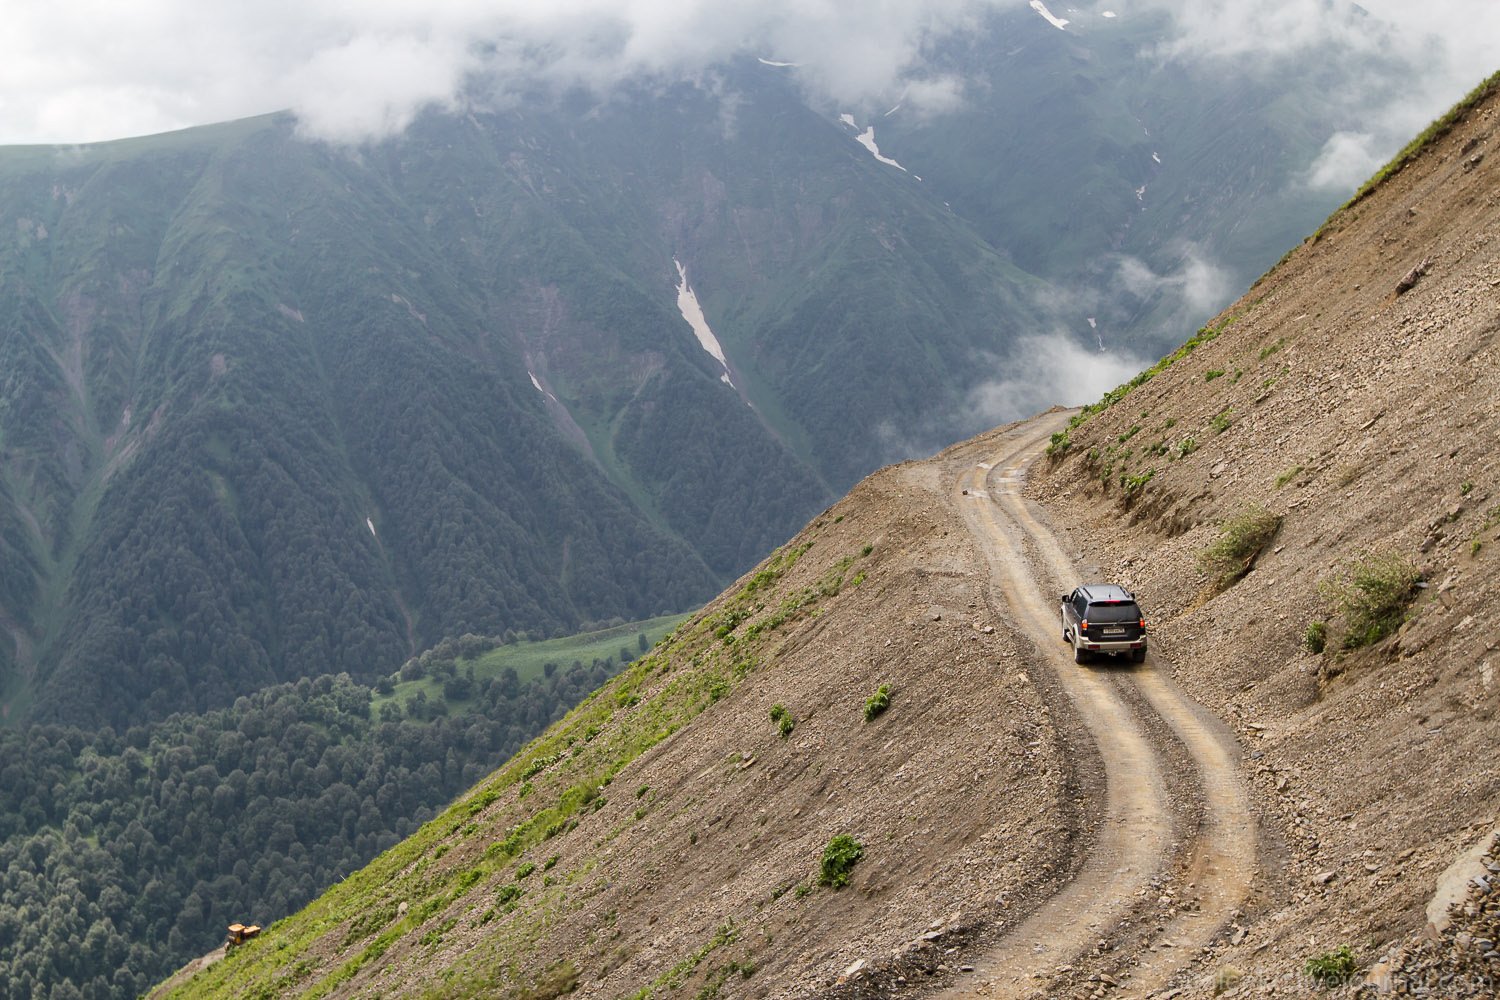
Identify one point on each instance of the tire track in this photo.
(1135, 842)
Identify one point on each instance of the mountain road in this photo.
(1173, 852)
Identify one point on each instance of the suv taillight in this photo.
(1084, 625)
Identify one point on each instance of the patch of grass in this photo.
(1372, 595)
(1465, 489)
(1316, 637)
(1270, 349)
(558, 980)
(1220, 422)
(1185, 447)
(1133, 483)
(1059, 444)
(1212, 374)
(1332, 968)
(839, 858)
(1240, 542)
(783, 719)
(878, 702)
(1134, 430)
(1288, 476)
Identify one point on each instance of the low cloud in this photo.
(1047, 371)
(1194, 288)
(1347, 160)
(363, 71)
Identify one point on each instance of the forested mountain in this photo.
(123, 853)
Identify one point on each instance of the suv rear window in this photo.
(1114, 611)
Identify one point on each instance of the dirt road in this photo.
(1175, 852)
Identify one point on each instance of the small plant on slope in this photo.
(1316, 636)
(878, 702)
(1332, 968)
(839, 858)
(1373, 595)
(783, 719)
(1240, 542)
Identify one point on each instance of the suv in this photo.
(1103, 618)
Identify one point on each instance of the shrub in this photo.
(1332, 968)
(1316, 636)
(1373, 595)
(1288, 476)
(1220, 422)
(878, 702)
(839, 858)
(783, 719)
(1240, 542)
(1185, 447)
(1212, 374)
(525, 869)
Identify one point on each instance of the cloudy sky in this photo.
(88, 70)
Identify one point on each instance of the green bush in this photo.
(1240, 542)
(1332, 968)
(839, 858)
(1316, 636)
(1372, 595)
(878, 702)
(783, 719)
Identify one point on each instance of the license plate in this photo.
(1114, 631)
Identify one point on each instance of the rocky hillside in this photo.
(868, 768)
(1350, 395)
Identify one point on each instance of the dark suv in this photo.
(1103, 618)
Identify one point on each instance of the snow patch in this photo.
(867, 140)
(1156, 158)
(539, 387)
(687, 304)
(1140, 193)
(1059, 23)
(894, 109)
(772, 62)
(1109, 13)
(371, 525)
(1092, 324)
